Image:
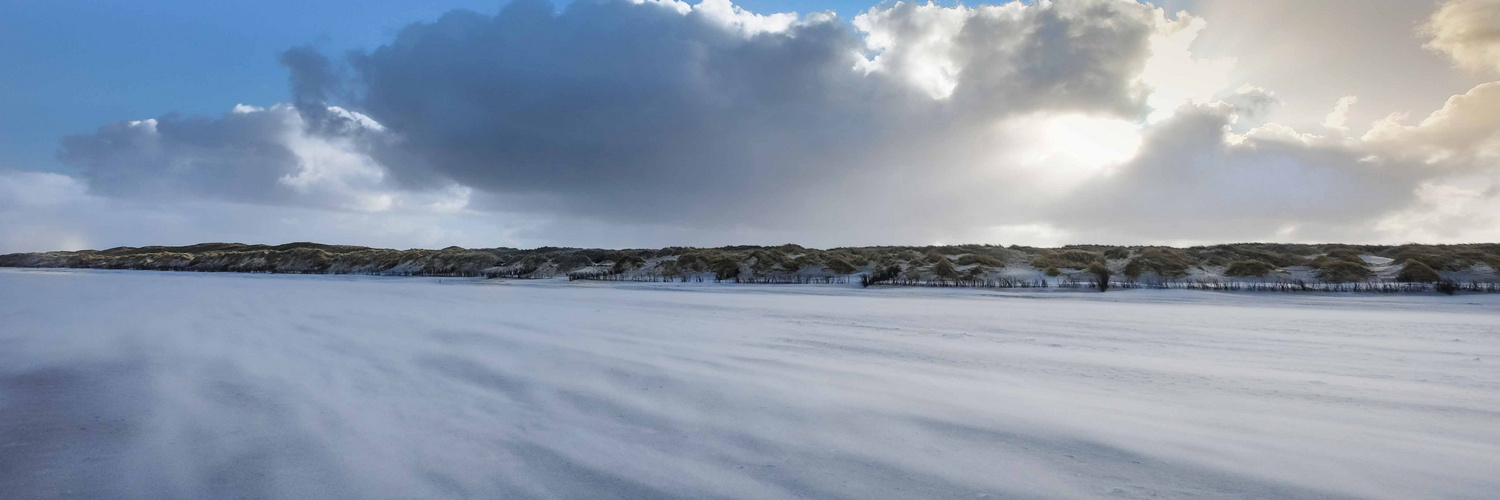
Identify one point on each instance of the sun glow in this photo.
(1063, 150)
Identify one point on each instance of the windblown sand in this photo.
(183, 385)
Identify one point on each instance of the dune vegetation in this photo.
(962, 265)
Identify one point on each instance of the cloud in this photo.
(37, 189)
(1197, 181)
(1338, 119)
(250, 155)
(1465, 129)
(1313, 53)
(312, 78)
(657, 113)
(1468, 31)
(1175, 75)
(657, 122)
(1456, 208)
(1457, 151)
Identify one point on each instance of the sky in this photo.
(649, 123)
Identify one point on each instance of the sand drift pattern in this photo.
(133, 384)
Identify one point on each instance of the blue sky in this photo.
(72, 66)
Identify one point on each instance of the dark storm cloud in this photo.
(606, 101)
(249, 155)
(640, 112)
(312, 78)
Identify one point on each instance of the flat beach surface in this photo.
(134, 384)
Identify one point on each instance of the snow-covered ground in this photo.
(132, 384)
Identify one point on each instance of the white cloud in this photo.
(245, 109)
(919, 42)
(1468, 31)
(746, 22)
(1466, 128)
(1338, 119)
(1275, 132)
(674, 5)
(1458, 209)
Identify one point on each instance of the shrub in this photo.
(572, 261)
(765, 261)
(1081, 256)
(853, 260)
(1278, 255)
(1101, 274)
(1279, 259)
(880, 275)
(1052, 271)
(887, 260)
(1449, 257)
(1448, 287)
(976, 272)
(1166, 263)
(981, 259)
(804, 260)
(997, 252)
(725, 267)
(692, 262)
(1416, 272)
(1066, 259)
(944, 269)
(669, 268)
(1243, 268)
(1341, 266)
(1117, 253)
(791, 248)
(626, 261)
(1343, 271)
(840, 266)
(1348, 254)
(1427, 258)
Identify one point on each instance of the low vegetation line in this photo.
(1232, 267)
(1386, 286)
